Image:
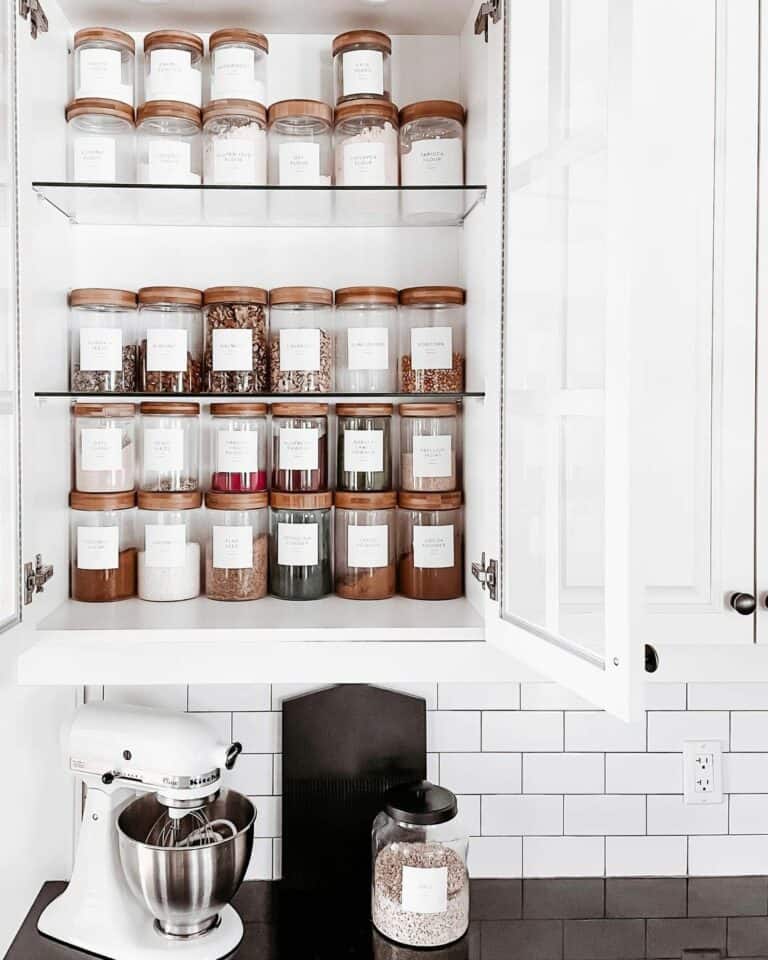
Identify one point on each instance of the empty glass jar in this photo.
(365, 144)
(366, 548)
(361, 65)
(238, 65)
(429, 451)
(100, 141)
(170, 447)
(238, 447)
(235, 339)
(364, 442)
(104, 64)
(170, 339)
(105, 447)
(169, 545)
(235, 143)
(102, 345)
(236, 554)
(432, 334)
(301, 340)
(432, 144)
(168, 138)
(366, 340)
(173, 61)
(300, 545)
(103, 546)
(430, 545)
(299, 447)
(300, 143)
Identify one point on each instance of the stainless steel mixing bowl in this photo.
(184, 888)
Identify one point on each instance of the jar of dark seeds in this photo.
(102, 343)
(170, 447)
(420, 884)
(235, 359)
(432, 340)
(236, 556)
(300, 545)
(171, 339)
(301, 340)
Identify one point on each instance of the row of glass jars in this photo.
(249, 340)
(416, 549)
(168, 458)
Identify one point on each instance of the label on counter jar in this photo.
(431, 348)
(368, 546)
(168, 77)
(101, 449)
(299, 449)
(237, 160)
(425, 889)
(299, 165)
(363, 451)
(100, 73)
(233, 75)
(368, 348)
(164, 450)
(94, 159)
(434, 163)
(233, 350)
(98, 548)
(167, 350)
(170, 161)
(101, 349)
(432, 456)
(300, 350)
(433, 547)
(297, 545)
(364, 164)
(233, 548)
(237, 451)
(363, 72)
(165, 545)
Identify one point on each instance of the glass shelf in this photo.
(185, 205)
(261, 397)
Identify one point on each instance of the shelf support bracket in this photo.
(489, 10)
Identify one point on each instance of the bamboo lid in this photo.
(299, 409)
(238, 35)
(448, 109)
(100, 106)
(284, 109)
(182, 500)
(102, 501)
(427, 501)
(387, 296)
(176, 38)
(161, 409)
(364, 409)
(301, 501)
(102, 297)
(353, 109)
(427, 409)
(235, 295)
(184, 296)
(235, 108)
(105, 35)
(236, 501)
(173, 109)
(104, 410)
(413, 296)
(371, 38)
(317, 295)
(238, 409)
(366, 501)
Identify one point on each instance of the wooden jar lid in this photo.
(105, 35)
(366, 501)
(285, 109)
(102, 297)
(181, 500)
(168, 409)
(173, 38)
(447, 109)
(217, 109)
(235, 295)
(371, 38)
(317, 295)
(428, 409)
(353, 109)
(364, 409)
(104, 411)
(102, 501)
(238, 35)
(169, 109)
(101, 106)
(301, 501)
(414, 296)
(299, 409)
(427, 501)
(386, 296)
(238, 409)
(183, 296)
(236, 501)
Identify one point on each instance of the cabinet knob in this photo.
(743, 603)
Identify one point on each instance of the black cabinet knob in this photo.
(743, 603)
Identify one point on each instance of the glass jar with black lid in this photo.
(364, 459)
(300, 545)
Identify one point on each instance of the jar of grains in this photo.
(100, 141)
(170, 447)
(105, 447)
(103, 546)
(169, 545)
(173, 66)
(300, 143)
(168, 134)
(420, 884)
(236, 555)
(362, 65)
(364, 446)
(300, 545)
(365, 545)
(432, 340)
(102, 345)
(301, 340)
(238, 65)
(235, 143)
(171, 339)
(430, 545)
(235, 359)
(104, 64)
(299, 447)
(365, 144)
(238, 447)
(366, 340)
(429, 447)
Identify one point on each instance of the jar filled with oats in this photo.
(236, 553)
(235, 357)
(301, 340)
(432, 334)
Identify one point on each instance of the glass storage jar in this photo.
(432, 144)
(365, 144)
(420, 883)
(300, 143)
(168, 135)
(430, 545)
(238, 447)
(169, 545)
(300, 545)
(299, 447)
(173, 66)
(100, 141)
(104, 64)
(103, 546)
(238, 65)
(429, 447)
(105, 447)
(366, 545)
(301, 340)
(362, 65)
(235, 359)
(171, 339)
(432, 340)
(366, 339)
(102, 345)
(364, 447)
(236, 554)
(235, 143)
(170, 447)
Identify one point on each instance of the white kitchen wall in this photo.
(547, 786)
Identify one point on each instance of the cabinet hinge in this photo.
(489, 10)
(486, 575)
(35, 577)
(32, 11)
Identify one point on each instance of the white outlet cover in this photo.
(693, 749)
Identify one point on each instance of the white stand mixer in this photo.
(118, 751)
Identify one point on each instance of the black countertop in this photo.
(568, 919)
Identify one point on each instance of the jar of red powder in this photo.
(299, 447)
(239, 447)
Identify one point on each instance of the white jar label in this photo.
(101, 449)
(233, 350)
(233, 75)
(362, 72)
(297, 545)
(368, 348)
(101, 349)
(170, 161)
(299, 164)
(165, 545)
(237, 451)
(433, 163)
(239, 160)
(299, 448)
(299, 349)
(431, 348)
(363, 451)
(98, 548)
(425, 889)
(432, 456)
(163, 449)
(364, 164)
(433, 547)
(368, 546)
(100, 74)
(233, 548)
(167, 350)
(94, 159)
(171, 77)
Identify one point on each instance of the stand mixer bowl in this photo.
(184, 888)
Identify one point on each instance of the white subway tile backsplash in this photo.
(728, 696)
(219, 723)
(495, 857)
(427, 691)
(645, 856)
(516, 731)
(665, 696)
(277, 775)
(727, 856)
(643, 773)
(670, 815)
(468, 820)
(563, 856)
(749, 730)
(259, 732)
(563, 773)
(550, 696)
(277, 858)
(668, 730)
(522, 815)
(433, 767)
(480, 772)
(590, 816)
(745, 772)
(748, 813)
(252, 774)
(602, 732)
(478, 696)
(260, 865)
(229, 696)
(284, 691)
(268, 816)
(453, 730)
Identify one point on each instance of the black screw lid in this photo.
(422, 803)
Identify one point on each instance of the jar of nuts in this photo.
(235, 358)
(432, 340)
(301, 340)
(170, 339)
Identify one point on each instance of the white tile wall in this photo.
(645, 856)
(604, 814)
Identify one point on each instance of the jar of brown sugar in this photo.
(103, 546)
(235, 339)
(432, 331)
(430, 545)
(236, 549)
(428, 447)
(365, 545)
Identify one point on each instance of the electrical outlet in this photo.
(703, 771)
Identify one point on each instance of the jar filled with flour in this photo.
(235, 143)
(432, 155)
(169, 557)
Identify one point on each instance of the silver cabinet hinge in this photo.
(489, 10)
(32, 11)
(486, 575)
(35, 577)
